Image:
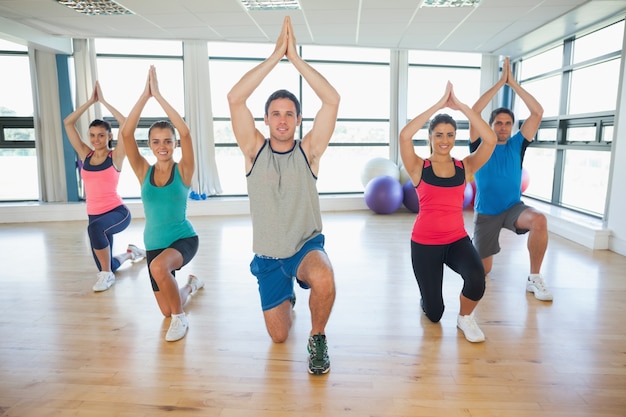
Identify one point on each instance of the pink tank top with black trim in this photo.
(100, 183)
(440, 217)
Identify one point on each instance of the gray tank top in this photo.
(284, 203)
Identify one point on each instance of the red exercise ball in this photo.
(525, 179)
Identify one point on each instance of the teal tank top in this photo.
(166, 211)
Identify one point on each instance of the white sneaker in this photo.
(470, 328)
(136, 254)
(104, 282)
(178, 328)
(537, 286)
(195, 283)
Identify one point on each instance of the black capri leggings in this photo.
(428, 262)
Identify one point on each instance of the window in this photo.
(132, 59)
(546, 91)
(585, 180)
(428, 74)
(19, 178)
(362, 128)
(569, 161)
(598, 43)
(539, 64)
(594, 88)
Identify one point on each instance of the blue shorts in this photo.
(275, 275)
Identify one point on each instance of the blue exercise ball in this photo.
(410, 199)
(384, 194)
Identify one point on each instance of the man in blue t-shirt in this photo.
(498, 201)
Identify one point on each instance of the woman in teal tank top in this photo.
(170, 239)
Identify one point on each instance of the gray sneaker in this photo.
(319, 362)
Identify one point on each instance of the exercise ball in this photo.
(383, 194)
(377, 167)
(404, 175)
(525, 179)
(468, 195)
(409, 197)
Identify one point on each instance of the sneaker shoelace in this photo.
(540, 284)
(176, 323)
(318, 347)
(103, 278)
(472, 324)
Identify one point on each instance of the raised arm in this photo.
(411, 161)
(186, 165)
(316, 140)
(81, 148)
(531, 124)
(248, 137)
(478, 158)
(139, 164)
(488, 95)
(119, 152)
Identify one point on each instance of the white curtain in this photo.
(86, 76)
(199, 116)
(48, 126)
(85, 69)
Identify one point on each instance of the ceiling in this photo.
(498, 27)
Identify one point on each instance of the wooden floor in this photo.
(67, 351)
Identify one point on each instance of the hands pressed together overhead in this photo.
(152, 84)
(286, 42)
(449, 99)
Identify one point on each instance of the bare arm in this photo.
(81, 148)
(488, 95)
(411, 161)
(139, 164)
(316, 140)
(186, 165)
(119, 152)
(475, 160)
(531, 124)
(248, 137)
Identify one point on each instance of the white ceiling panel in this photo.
(500, 27)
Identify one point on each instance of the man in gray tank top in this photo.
(281, 173)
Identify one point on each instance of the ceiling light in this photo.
(95, 8)
(450, 3)
(270, 4)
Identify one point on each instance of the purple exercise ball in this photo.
(410, 199)
(468, 195)
(383, 194)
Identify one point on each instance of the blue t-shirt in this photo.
(499, 181)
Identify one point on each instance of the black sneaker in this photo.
(319, 363)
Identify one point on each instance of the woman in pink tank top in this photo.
(439, 237)
(100, 169)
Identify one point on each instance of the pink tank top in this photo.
(440, 217)
(100, 183)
